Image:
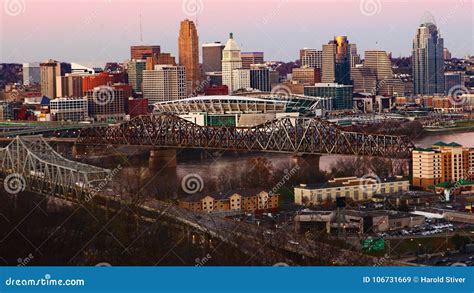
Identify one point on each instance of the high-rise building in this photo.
(336, 61)
(135, 74)
(249, 58)
(107, 103)
(212, 57)
(427, 60)
(364, 80)
(311, 58)
(354, 57)
(341, 94)
(159, 59)
(69, 85)
(453, 82)
(49, 71)
(380, 63)
(188, 45)
(260, 78)
(230, 60)
(241, 79)
(306, 75)
(164, 83)
(143, 52)
(443, 162)
(446, 54)
(31, 73)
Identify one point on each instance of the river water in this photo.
(284, 160)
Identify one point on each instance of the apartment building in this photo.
(443, 162)
(235, 200)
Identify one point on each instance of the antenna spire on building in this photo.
(141, 31)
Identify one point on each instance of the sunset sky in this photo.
(94, 32)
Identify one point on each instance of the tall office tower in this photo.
(69, 85)
(188, 43)
(113, 108)
(311, 58)
(241, 79)
(31, 73)
(49, 71)
(212, 57)
(453, 80)
(336, 61)
(354, 57)
(135, 74)
(380, 63)
(230, 60)
(249, 58)
(159, 59)
(143, 52)
(165, 83)
(364, 80)
(260, 78)
(446, 54)
(427, 60)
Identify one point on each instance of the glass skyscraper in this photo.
(427, 60)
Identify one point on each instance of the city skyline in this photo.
(97, 37)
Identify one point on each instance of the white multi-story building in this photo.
(231, 60)
(165, 83)
(69, 109)
(240, 79)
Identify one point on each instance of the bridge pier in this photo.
(162, 158)
(308, 166)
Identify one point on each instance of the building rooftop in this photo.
(451, 144)
(222, 195)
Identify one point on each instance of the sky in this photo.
(95, 32)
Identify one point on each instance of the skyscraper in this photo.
(355, 58)
(135, 74)
(165, 83)
(380, 63)
(260, 78)
(142, 52)
(230, 60)
(188, 45)
(336, 61)
(50, 71)
(427, 60)
(249, 58)
(31, 73)
(311, 58)
(212, 57)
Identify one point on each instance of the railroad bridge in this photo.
(304, 136)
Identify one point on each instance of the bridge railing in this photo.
(285, 135)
